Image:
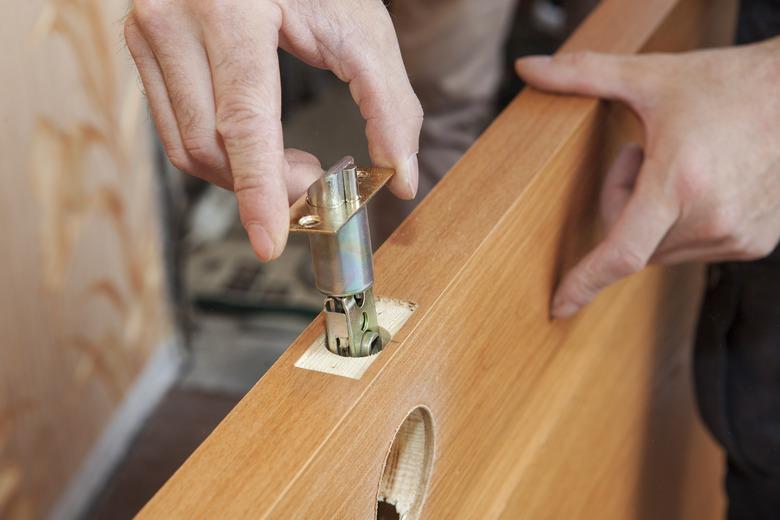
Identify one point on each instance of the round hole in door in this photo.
(407, 468)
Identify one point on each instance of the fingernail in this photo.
(413, 174)
(262, 244)
(564, 309)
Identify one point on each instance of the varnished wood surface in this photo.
(589, 418)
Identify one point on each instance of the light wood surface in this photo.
(588, 418)
(391, 315)
(82, 303)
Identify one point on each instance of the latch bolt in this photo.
(334, 215)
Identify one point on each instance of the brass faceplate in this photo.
(305, 218)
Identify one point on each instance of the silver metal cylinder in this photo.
(342, 261)
(335, 218)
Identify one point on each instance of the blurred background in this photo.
(134, 313)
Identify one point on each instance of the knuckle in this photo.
(625, 262)
(238, 118)
(576, 59)
(246, 181)
(414, 107)
(202, 148)
(210, 10)
(178, 157)
(222, 13)
(243, 182)
(583, 290)
(721, 226)
(632, 72)
(579, 59)
(694, 177)
(413, 115)
(150, 13)
(417, 112)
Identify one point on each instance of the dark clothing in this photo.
(737, 374)
(737, 354)
(758, 20)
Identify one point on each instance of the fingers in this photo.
(627, 248)
(186, 72)
(586, 73)
(304, 170)
(242, 51)
(619, 183)
(392, 135)
(160, 103)
(213, 80)
(380, 86)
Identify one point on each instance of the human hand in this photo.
(706, 187)
(211, 74)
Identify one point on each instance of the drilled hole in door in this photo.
(407, 468)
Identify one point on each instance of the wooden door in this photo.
(485, 406)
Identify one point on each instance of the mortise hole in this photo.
(407, 468)
(308, 221)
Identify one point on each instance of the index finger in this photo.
(242, 52)
(379, 85)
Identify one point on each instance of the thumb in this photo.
(610, 76)
(304, 169)
(644, 222)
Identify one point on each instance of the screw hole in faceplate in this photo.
(407, 468)
(309, 221)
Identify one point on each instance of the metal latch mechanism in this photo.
(333, 214)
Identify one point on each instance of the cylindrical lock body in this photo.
(342, 261)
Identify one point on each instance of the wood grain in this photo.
(407, 467)
(588, 418)
(81, 274)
